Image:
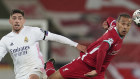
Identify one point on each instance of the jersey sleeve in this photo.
(46, 35)
(109, 38)
(101, 56)
(60, 39)
(3, 50)
(111, 22)
(108, 41)
(38, 33)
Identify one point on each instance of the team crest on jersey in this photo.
(110, 40)
(26, 39)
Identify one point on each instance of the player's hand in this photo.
(105, 25)
(93, 73)
(81, 48)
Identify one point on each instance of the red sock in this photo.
(49, 69)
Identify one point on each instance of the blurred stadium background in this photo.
(81, 21)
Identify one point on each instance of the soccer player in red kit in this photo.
(93, 63)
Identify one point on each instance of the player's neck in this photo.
(17, 31)
(119, 33)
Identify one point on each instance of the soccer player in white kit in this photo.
(23, 45)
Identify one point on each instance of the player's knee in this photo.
(33, 76)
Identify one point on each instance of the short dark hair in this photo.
(13, 11)
(123, 15)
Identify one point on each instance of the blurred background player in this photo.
(23, 45)
(93, 63)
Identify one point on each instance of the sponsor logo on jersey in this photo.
(26, 39)
(19, 51)
(65, 69)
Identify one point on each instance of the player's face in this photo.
(123, 25)
(17, 21)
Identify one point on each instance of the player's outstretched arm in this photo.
(93, 73)
(101, 56)
(82, 48)
(65, 40)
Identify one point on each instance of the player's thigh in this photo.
(56, 75)
(35, 75)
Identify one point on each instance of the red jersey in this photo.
(100, 53)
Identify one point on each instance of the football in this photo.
(136, 17)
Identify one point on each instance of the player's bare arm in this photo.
(93, 73)
(65, 40)
(81, 48)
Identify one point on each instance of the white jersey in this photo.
(24, 48)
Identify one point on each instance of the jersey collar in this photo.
(118, 33)
(19, 32)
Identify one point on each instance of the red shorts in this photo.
(76, 70)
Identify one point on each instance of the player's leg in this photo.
(35, 75)
(49, 67)
(56, 75)
(50, 70)
(73, 70)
